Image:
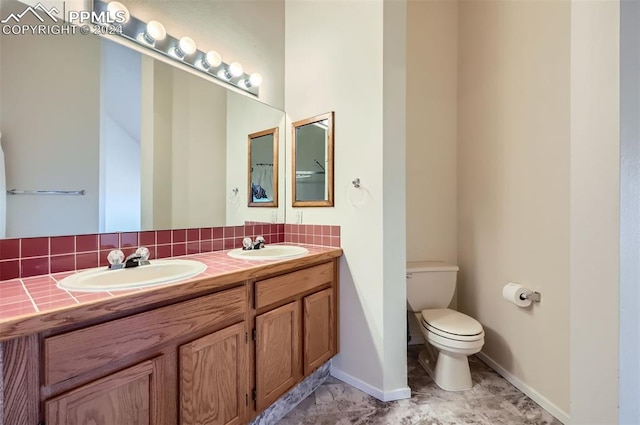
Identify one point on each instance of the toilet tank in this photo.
(430, 284)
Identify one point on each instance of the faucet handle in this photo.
(246, 243)
(259, 241)
(115, 258)
(143, 252)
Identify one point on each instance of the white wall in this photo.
(120, 127)
(324, 42)
(629, 386)
(594, 209)
(250, 32)
(42, 151)
(244, 117)
(432, 83)
(513, 186)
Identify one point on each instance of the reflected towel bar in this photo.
(46, 192)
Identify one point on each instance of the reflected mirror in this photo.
(152, 145)
(312, 150)
(263, 166)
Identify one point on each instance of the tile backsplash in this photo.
(39, 256)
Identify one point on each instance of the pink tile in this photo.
(218, 244)
(251, 231)
(237, 242)
(103, 258)
(163, 237)
(128, 251)
(34, 266)
(63, 263)
(228, 232)
(163, 251)
(280, 237)
(21, 304)
(178, 249)
(9, 269)
(317, 230)
(228, 244)
(206, 233)
(326, 241)
(193, 235)
(179, 235)
(109, 241)
(22, 311)
(335, 230)
(273, 228)
(238, 231)
(193, 247)
(147, 238)
(129, 239)
(86, 243)
(206, 246)
(287, 228)
(34, 247)
(9, 249)
(335, 242)
(153, 251)
(63, 245)
(280, 228)
(218, 232)
(317, 240)
(11, 288)
(87, 260)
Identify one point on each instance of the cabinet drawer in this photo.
(279, 288)
(80, 351)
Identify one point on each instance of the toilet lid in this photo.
(451, 322)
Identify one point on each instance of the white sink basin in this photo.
(159, 272)
(269, 252)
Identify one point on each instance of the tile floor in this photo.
(491, 401)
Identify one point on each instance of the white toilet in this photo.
(451, 336)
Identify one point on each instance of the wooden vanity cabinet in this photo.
(296, 328)
(202, 360)
(214, 378)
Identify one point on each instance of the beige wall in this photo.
(432, 69)
(42, 151)
(324, 42)
(513, 185)
(594, 208)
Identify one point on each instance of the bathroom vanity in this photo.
(218, 348)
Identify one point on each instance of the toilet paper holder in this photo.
(531, 295)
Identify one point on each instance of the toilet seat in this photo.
(451, 324)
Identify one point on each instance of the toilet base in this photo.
(449, 371)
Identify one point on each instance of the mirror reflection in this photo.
(263, 166)
(313, 161)
(153, 146)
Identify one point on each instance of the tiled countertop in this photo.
(35, 304)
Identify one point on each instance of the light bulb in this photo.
(155, 32)
(255, 80)
(235, 69)
(185, 47)
(212, 60)
(117, 12)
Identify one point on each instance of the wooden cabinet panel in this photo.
(278, 349)
(213, 378)
(319, 334)
(128, 397)
(270, 291)
(77, 352)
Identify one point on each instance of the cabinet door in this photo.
(278, 349)
(319, 329)
(128, 397)
(213, 378)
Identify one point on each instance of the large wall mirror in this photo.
(312, 160)
(263, 168)
(152, 145)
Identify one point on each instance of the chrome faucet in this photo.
(247, 244)
(139, 258)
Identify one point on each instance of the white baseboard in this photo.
(547, 405)
(397, 394)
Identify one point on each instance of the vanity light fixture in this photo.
(185, 47)
(254, 80)
(211, 60)
(117, 9)
(155, 32)
(153, 35)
